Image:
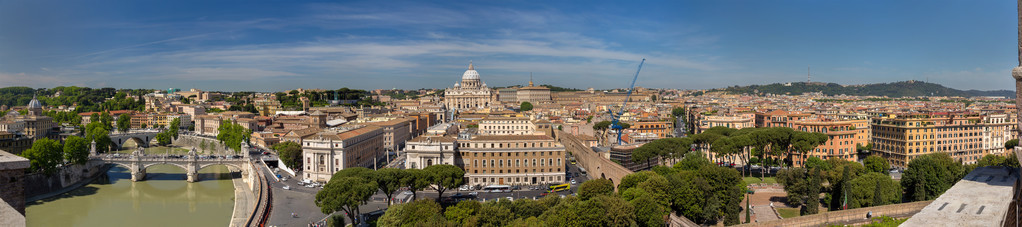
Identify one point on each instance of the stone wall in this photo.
(38, 184)
(12, 188)
(595, 164)
(848, 217)
(213, 146)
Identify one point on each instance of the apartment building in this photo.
(513, 160)
(901, 138)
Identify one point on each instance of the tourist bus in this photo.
(497, 188)
(560, 187)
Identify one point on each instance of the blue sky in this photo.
(281, 45)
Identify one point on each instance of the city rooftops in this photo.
(982, 198)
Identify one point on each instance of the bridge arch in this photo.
(179, 165)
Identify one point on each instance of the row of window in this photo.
(502, 154)
(516, 180)
(517, 162)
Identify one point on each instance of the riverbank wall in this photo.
(38, 185)
(204, 145)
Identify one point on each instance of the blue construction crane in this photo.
(615, 124)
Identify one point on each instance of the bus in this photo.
(560, 187)
(497, 188)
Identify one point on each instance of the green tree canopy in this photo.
(76, 150)
(863, 191)
(345, 194)
(416, 180)
(233, 135)
(445, 177)
(415, 213)
(876, 164)
(290, 154)
(595, 187)
(526, 106)
(1011, 144)
(928, 176)
(124, 122)
(175, 125)
(388, 180)
(45, 155)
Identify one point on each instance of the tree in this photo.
(526, 106)
(76, 150)
(678, 111)
(233, 135)
(463, 210)
(335, 221)
(600, 211)
(345, 194)
(123, 122)
(174, 126)
(44, 155)
(594, 188)
(803, 188)
(290, 154)
(647, 211)
(1011, 144)
(876, 164)
(873, 189)
(928, 176)
(95, 131)
(163, 138)
(107, 120)
(412, 214)
(416, 180)
(445, 177)
(388, 180)
(600, 126)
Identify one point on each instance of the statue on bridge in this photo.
(139, 152)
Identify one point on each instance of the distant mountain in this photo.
(897, 89)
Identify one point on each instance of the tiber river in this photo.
(164, 198)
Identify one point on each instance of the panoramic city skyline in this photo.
(689, 45)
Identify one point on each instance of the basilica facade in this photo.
(470, 93)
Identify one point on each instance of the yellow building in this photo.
(901, 138)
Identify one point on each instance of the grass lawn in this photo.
(787, 212)
(755, 180)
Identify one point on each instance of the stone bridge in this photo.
(137, 162)
(141, 137)
(594, 163)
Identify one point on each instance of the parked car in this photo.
(573, 182)
(463, 188)
(287, 187)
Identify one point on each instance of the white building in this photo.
(997, 129)
(471, 93)
(333, 150)
(506, 126)
(425, 151)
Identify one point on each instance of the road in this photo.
(301, 200)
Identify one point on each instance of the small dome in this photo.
(471, 73)
(34, 104)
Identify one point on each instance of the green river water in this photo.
(164, 198)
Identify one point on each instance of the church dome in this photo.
(34, 104)
(470, 74)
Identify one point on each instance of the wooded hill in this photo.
(895, 89)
